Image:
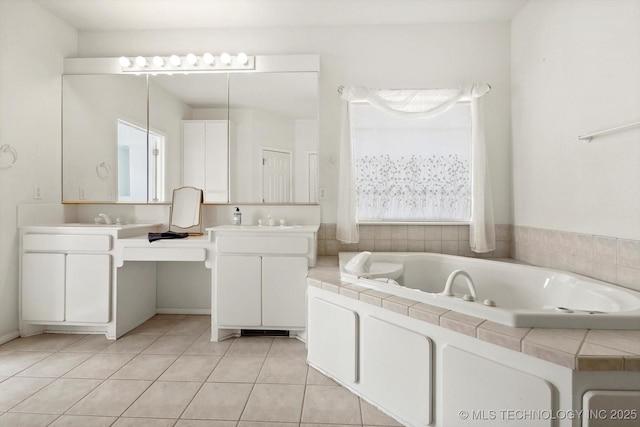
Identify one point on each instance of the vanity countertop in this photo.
(577, 349)
(122, 230)
(265, 228)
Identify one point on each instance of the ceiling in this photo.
(104, 15)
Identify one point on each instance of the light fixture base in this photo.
(239, 62)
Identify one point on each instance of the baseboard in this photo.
(8, 337)
(200, 311)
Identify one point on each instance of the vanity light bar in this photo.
(187, 63)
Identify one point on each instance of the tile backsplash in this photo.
(446, 239)
(604, 258)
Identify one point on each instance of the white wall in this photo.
(434, 55)
(33, 44)
(306, 142)
(575, 70)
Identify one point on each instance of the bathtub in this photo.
(524, 296)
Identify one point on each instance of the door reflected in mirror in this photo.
(274, 137)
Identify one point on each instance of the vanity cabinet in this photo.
(259, 277)
(261, 291)
(65, 287)
(66, 278)
(205, 154)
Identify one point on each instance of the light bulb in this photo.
(124, 62)
(175, 60)
(225, 58)
(243, 58)
(192, 59)
(207, 58)
(141, 61)
(158, 61)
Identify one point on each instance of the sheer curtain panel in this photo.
(418, 103)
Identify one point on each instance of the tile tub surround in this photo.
(167, 373)
(577, 349)
(445, 239)
(604, 258)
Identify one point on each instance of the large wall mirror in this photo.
(241, 137)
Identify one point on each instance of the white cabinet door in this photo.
(481, 388)
(87, 288)
(43, 277)
(283, 291)
(616, 408)
(216, 163)
(396, 369)
(333, 339)
(238, 293)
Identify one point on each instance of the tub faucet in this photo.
(447, 287)
(106, 218)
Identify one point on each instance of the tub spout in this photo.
(447, 287)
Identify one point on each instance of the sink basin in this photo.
(252, 229)
(257, 227)
(118, 226)
(80, 224)
(269, 227)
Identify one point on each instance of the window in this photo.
(140, 165)
(412, 169)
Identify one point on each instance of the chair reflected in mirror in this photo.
(186, 211)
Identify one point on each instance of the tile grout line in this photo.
(109, 378)
(203, 383)
(165, 370)
(253, 386)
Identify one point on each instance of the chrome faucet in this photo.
(106, 218)
(447, 287)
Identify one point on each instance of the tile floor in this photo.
(167, 373)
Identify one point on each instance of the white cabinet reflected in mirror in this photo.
(274, 137)
(180, 106)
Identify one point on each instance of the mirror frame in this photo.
(263, 64)
(197, 196)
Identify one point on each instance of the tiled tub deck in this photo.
(577, 349)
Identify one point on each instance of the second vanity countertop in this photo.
(265, 228)
(577, 349)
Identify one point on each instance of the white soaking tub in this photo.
(524, 296)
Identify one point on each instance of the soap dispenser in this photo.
(237, 217)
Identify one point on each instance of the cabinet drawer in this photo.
(66, 242)
(280, 245)
(164, 254)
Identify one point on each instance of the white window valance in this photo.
(419, 103)
(414, 103)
